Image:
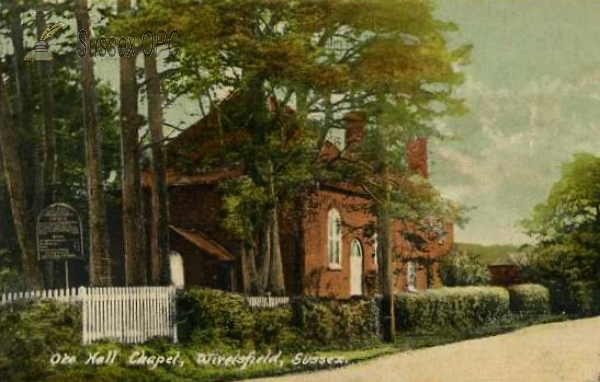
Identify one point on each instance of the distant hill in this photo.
(487, 253)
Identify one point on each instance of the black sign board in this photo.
(59, 233)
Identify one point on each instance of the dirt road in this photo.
(566, 351)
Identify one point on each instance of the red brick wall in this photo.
(426, 261)
(319, 279)
(199, 207)
(292, 245)
(305, 254)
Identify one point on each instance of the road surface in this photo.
(566, 351)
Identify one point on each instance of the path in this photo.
(565, 351)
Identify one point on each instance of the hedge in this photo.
(212, 318)
(529, 299)
(341, 323)
(31, 332)
(216, 319)
(451, 308)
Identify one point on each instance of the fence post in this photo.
(84, 315)
(173, 304)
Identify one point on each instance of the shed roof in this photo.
(204, 243)
(511, 259)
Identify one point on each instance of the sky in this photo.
(532, 89)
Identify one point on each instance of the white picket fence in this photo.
(124, 314)
(267, 301)
(61, 295)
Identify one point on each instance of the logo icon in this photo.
(41, 52)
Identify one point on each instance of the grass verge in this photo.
(188, 364)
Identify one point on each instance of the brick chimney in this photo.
(355, 127)
(416, 156)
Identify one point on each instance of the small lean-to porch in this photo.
(205, 262)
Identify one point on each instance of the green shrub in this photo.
(11, 281)
(437, 310)
(463, 269)
(335, 323)
(316, 320)
(211, 318)
(569, 271)
(357, 321)
(529, 299)
(274, 329)
(31, 332)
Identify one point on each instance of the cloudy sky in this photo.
(533, 90)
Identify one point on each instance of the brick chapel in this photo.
(326, 247)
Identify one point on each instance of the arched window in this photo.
(334, 239)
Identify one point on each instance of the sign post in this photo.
(59, 235)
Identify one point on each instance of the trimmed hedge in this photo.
(215, 319)
(451, 308)
(529, 299)
(212, 318)
(342, 323)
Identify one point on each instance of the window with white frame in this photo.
(411, 276)
(334, 239)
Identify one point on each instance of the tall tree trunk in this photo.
(45, 69)
(299, 276)
(244, 269)
(23, 107)
(384, 239)
(276, 278)
(15, 176)
(135, 261)
(277, 281)
(46, 176)
(255, 287)
(265, 249)
(100, 261)
(159, 235)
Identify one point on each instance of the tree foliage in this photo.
(295, 69)
(463, 269)
(573, 203)
(51, 153)
(567, 226)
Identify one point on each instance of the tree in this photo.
(159, 231)
(135, 261)
(49, 151)
(17, 141)
(573, 203)
(15, 173)
(320, 59)
(463, 269)
(100, 259)
(567, 227)
(45, 70)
